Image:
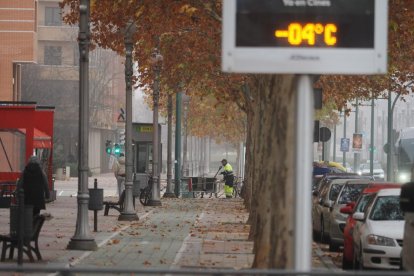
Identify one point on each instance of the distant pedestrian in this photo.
(119, 171)
(228, 178)
(35, 186)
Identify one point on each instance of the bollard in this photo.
(95, 202)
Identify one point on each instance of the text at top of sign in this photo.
(145, 128)
(305, 36)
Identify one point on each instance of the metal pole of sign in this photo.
(304, 134)
(372, 147)
(344, 152)
(334, 145)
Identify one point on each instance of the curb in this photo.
(326, 260)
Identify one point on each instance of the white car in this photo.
(378, 234)
(378, 172)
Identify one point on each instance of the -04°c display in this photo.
(305, 36)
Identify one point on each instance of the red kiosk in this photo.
(25, 130)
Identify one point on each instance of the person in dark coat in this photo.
(34, 183)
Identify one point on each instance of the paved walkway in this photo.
(182, 233)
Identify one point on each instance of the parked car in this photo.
(323, 189)
(358, 206)
(378, 234)
(378, 172)
(349, 192)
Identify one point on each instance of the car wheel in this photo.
(316, 236)
(355, 263)
(333, 247)
(346, 264)
(361, 260)
(322, 235)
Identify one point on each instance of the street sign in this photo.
(357, 141)
(305, 36)
(345, 144)
(324, 134)
(121, 116)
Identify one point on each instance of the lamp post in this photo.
(372, 147)
(83, 240)
(187, 156)
(390, 138)
(344, 152)
(177, 162)
(156, 60)
(356, 154)
(128, 213)
(169, 192)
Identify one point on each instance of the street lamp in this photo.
(390, 138)
(186, 164)
(128, 213)
(156, 61)
(83, 240)
(169, 193)
(177, 162)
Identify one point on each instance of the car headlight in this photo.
(379, 240)
(359, 172)
(381, 175)
(404, 177)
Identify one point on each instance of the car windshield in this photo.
(387, 208)
(363, 202)
(350, 193)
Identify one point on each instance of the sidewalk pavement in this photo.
(182, 233)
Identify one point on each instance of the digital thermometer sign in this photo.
(313, 36)
(298, 34)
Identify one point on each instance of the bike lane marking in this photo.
(102, 243)
(186, 241)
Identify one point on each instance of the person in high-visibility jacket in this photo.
(228, 178)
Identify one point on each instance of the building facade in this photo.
(39, 61)
(18, 43)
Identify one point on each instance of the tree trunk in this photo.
(272, 175)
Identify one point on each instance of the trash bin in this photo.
(95, 199)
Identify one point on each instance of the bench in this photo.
(117, 205)
(29, 246)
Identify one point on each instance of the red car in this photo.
(359, 206)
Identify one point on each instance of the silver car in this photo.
(337, 220)
(321, 208)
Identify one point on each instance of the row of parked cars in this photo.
(363, 216)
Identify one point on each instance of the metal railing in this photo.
(60, 270)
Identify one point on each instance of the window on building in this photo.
(53, 16)
(53, 55)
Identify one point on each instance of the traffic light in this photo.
(108, 147)
(117, 149)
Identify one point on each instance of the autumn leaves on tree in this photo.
(188, 35)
